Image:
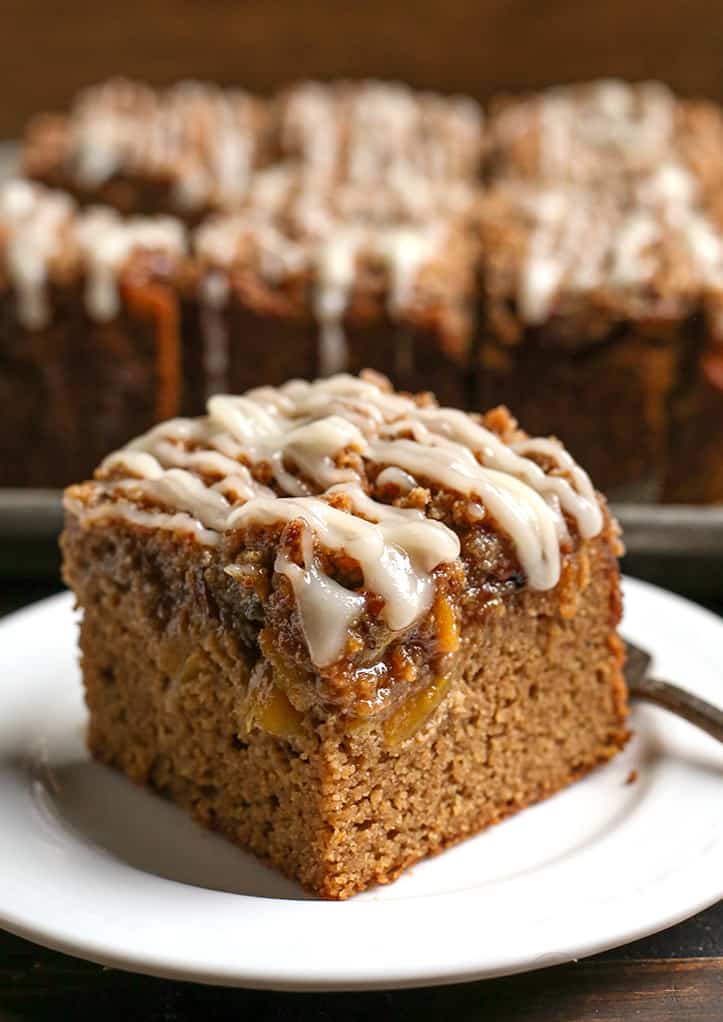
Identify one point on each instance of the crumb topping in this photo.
(654, 250)
(370, 131)
(411, 263)
(42, 234)
(601, 207)
(585, 133)
(342, 472)
(200, 137)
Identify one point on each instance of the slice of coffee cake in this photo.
(345, 626)
(89, 341)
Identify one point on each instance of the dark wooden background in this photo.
(48, 49)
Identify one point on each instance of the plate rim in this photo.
(281, 983)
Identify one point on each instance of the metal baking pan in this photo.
(677, 546)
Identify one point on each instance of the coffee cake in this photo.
(345, 626)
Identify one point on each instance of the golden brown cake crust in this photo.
(202, 666)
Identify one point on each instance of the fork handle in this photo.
(677, 700)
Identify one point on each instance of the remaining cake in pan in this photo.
(185, 150)
(88, 332)
(345, 626)
(369, 132)
(194, 148)
(563, 256)
(601, 133)
(587, 302)
(602, 256)
(311, 288)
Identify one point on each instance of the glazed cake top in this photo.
(43, 236)
(653, 248)
(295, 192)
(202, 139)
(325, 260)
(206, 141)
(592, 133)
(323, 248)
(338, 459)
(365, 132)
(603, 206)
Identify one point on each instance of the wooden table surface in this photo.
(674, 976)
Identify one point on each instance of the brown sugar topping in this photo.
(318, 447)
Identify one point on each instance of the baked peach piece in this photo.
(344, 626)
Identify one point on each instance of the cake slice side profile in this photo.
(311, 281)
(344, 626)
(601, 247)
(89, 333)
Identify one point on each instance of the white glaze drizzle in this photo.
(177, 522)
(213, 296)
(202, 471)
(42, 227)
(589, 133)
(326, 609)
(580, 239)
(180, 489)
(335, 270)
(308, 129)
(311, 205)
(390, 128)
(107, 241)
(396, 549)
(330, 250)
(368, 131)
(34, 222)
(393, 476)
(200, 137)
(606, 195)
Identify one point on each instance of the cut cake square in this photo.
(344, 626)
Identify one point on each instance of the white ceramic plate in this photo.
(95, 867)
